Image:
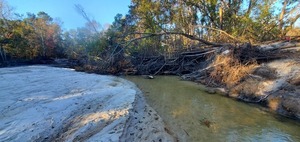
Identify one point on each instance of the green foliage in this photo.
(38, 36)
(31, 38)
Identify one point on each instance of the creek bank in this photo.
(273, 80)
(274, 85)
(40, 103)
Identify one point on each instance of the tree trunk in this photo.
(281, 16)
(221, 14)
(251, 2)
(3, 54)
(43, 45)
(293, 20)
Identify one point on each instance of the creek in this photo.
(194, 115)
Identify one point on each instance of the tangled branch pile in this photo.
(229, 66)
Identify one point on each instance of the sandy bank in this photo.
(274, 84)
(40, 103)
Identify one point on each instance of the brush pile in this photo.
(228, 66)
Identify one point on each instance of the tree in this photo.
(91, 23)
(290, 12)
(5, 13)
(46, 35)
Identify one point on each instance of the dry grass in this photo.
(274, 103)
(229, 71)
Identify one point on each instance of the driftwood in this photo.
(278, 46)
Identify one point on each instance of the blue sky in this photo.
(102, 11)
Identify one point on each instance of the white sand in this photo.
(39, 103)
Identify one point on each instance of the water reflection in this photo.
(197, 116)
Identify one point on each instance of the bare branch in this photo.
(192, 37)
(231, 36)
(82, 12)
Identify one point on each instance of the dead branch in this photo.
(192, 37)
(200, 54)
(82, 12)
(221, 31)
(278, 45)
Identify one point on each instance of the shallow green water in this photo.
(197, 116)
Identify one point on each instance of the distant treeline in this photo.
(150, 28)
